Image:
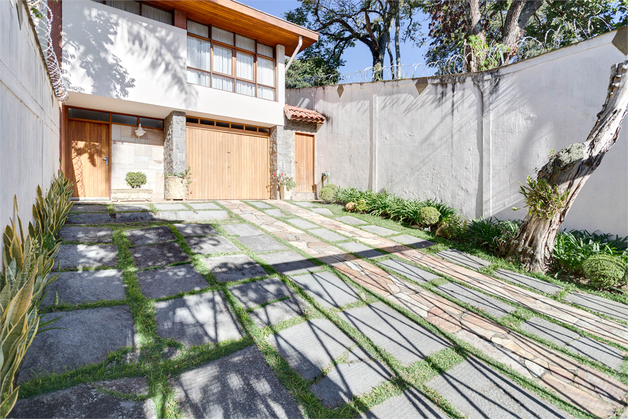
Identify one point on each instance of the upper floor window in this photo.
(141, 9)
(227, 61)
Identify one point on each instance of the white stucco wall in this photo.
(469, 140)
(29, 116)
(117, 61)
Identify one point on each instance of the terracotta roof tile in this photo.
(294, 113)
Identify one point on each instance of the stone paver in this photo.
(194, 230)
(347, 219)
(86, 287)
(413, 241)
(86, 234)
(599, 304)
(360, 249)
(241, 230)
(328, 235)
(409, 405)
(90, 401)
(322, 211)
(73, 256)
(345, 381)
(304, 204)
(134, 217)
(261, 243)
(477, 299)
(464, 259)
(211, 245)
(302, 224)
(259, 205)
(274, 212)
(479, 392)
(253, 294)
(409, 271)
(552, 332)
(239, 386)
(197, 319)
(290, 263)
(163, 282)
(312, 346)
(88, 208)
(171, 207)
(380, 231)
(77, 339)
(152, 235)
(279, 311)
(204, 206)
(133, 207)
(598, 351)
(158, 255)
(326, 288)
(89, 218)
(234, 268)
(392, 331)
(187, 216)
(528, 281)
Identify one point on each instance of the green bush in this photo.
(135, 179)
(328, 193)
(361, 206)
(572, 248)
(428, 216)
(604, 271)
(491, 234)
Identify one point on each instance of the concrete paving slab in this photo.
(302, 224)
(211, 245)
(528, 281)
(77, 339)
(345, 381)
(411, 404)
(479, 392)
(197, 319)
(279, 311)
(360, 249)
(259, 205)
(131, 207)
(347, 219)
(86, 287)
(134, 217)
(395, 333)
(187, 216)
(322, 211)
(86, 234)
(477, 299)
(88, 208)
(380, 231)
(326, 288)
(158, 255)
(73, 256)
(290, 263)
(204, 206)
(164, 282)
(90, 401)
(194, 230)
(171, 207)
(240, 386)
(261, 243)
(304, 204)
(409, 271)
(152, 235)
(598, 351)
(413, 241)
(328, 235)
(89, 218)
(234, 268)
(599, 304)
(547, 330)
(253, 294)
(274, 212)
(464, 259)
(312, 346)
(241, 230)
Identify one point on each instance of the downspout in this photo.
(294, 54)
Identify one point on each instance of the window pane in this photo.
(156, 14)
(222, 36)
(152, 123)
(245, 88)
(244, 65)
(265, 71)
(198, 77)
(198, 29)
(264, 50)
(222, 60)
(265, 92)
(85, 114)
(245, 43)
(123, 119)
(199, 53)
(222, 83)
(129, 6)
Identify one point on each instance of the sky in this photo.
(357, 58)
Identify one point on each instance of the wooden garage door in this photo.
(227, 165)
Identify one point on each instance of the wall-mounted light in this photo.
(139, 131)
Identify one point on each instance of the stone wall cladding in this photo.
(273, 160)
(174, 142)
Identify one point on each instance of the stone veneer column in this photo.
(174, 142)
(281, 154)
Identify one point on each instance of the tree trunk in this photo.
(473, 17)
(569, 170)
(397, 43)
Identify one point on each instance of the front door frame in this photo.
(308, 134)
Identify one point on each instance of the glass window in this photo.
(265, 92)
(198, 29)
(157, 14)
(152, 123)
(265, 71)
(222, 83)
(191, 120)
(123, 119)
(222, 60)
(222, 36)
(245, 88)
(245, 43)
(198, 77)
(265, 50)
(128, 6)
(87, 114)
(244, 65)
(199, 53)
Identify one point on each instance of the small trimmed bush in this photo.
(428, 216)
(328, 193)
(135, 179)
(604, 271)
(361, 206)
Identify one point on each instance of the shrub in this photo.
(491, 233)
(135, 179)
(604, 271)
(572, 248)
(328, 193)
(428, 216)
(361, 206)
(350, 206)
(453, 227)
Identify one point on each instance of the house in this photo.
(204, 80)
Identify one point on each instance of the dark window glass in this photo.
(86, 114)
(206, 122)
(237, 126)
(254, 129)
(124, 119)
(152, 123)
(264, 130)
(191, 120)
(222, 124)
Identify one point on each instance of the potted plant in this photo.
(176, 186)
(135, 180)
(285, 184)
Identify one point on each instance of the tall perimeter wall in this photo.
(469, 140)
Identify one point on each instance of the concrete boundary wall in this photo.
(470, 139)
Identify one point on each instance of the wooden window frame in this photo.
(68, 108)
(215, 127)
(149, 5)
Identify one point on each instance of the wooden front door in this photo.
(304, 162)
(87, 158)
